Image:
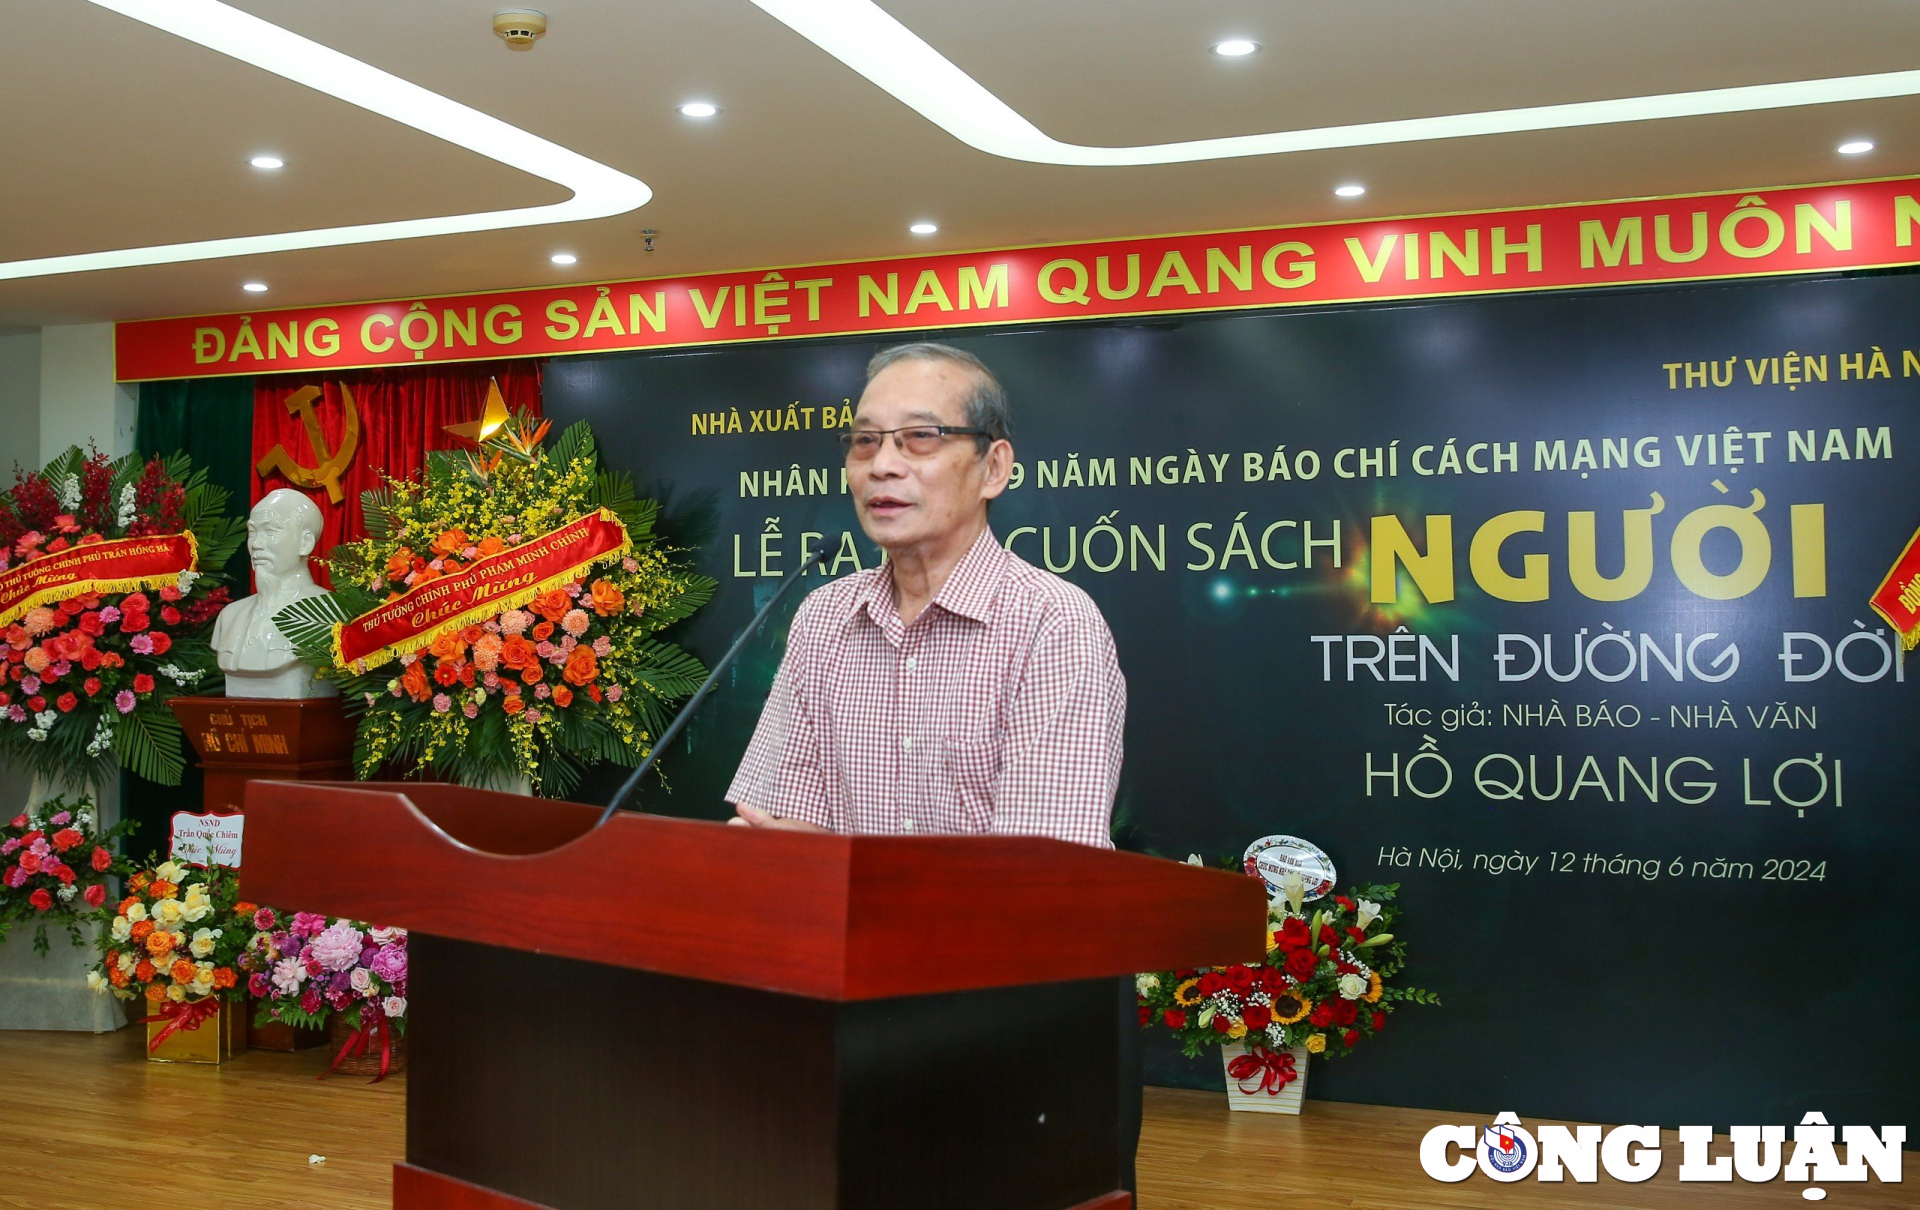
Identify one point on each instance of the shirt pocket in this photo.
(972, 768)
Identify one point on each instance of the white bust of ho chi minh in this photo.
(282, 531)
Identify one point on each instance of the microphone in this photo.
(625, 792)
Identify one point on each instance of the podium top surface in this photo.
(826, 916)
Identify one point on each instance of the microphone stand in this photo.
(632, 783)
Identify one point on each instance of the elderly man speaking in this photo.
(956, 688)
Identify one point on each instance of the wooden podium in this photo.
(689, 1016)
(239, 739)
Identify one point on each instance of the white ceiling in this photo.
(113, 134)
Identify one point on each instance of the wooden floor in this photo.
(86, 1123)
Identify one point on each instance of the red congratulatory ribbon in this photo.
(1269, 1070)
(117, 565)
(478, 591)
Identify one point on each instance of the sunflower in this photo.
(1372, 994)
(1290, 1006)
(1185, 995)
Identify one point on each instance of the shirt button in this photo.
(906, 745)
(906, 825)
(911, 661)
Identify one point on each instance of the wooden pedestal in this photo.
(239, 739)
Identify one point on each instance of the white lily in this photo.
(1365, 912)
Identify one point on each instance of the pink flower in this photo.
(337, 948)
(123, 701)
(471, 710)
(533, 716)
(142, 644)
(515, 621)
(603, 646)
(542, 692)
(544, 649)
(575, 622)
(30, 685)
(263, 919)
(442, 703)
(491, 680)
(110, 614)
(630, 564)
(40, 619)
(17, 714)
(394, 1006)
(573, 590)
(614, 693)
(60, 818)
(37, 660)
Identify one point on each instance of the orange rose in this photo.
(243, 908)
(533, 674)
(562, 696)
(223, 977)
(116, 976)
(517, 652)
(552, 605)
(582, 667)
(128, 902)
(399, 563)
(182, 971)
(448, 646)
(156, 993)
(491, 545)
(542, 631)
(471, 635)
(426, 575)
(143, 970)
(162, 889)
(450, 542)
(159, 943)
(513, 705)
(414, 681)
(142, 929)
(606, 598)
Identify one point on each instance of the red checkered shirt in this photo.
(1000, 709)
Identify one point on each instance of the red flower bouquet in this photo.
(104, 611)
(54, 865)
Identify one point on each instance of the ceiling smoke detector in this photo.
(520, 28)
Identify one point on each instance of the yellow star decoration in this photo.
(492, 418)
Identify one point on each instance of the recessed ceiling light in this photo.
(699, 109)
(924, 228)
(1856, 147)
(563, 258)
(1350, 191)
(255, 287)
(267, 162)
(1234, 48)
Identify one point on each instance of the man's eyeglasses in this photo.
(919, 441)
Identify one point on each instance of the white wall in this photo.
(79, 400)
(19, 403)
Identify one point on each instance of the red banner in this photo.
(1819, 228)
(118, 565)
(1898, 597)
(481, 590)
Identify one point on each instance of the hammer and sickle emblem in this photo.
(333, 463)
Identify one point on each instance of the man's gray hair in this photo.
(986, 402)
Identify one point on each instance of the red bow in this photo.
(372, 1021)
(1270, 1070)
(179, 1015)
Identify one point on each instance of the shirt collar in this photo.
(969, 591)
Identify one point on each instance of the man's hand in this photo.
(753, 817)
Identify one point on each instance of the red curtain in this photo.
(403, 414)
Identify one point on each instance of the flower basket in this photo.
(201, 1031)
(365, 1059)
(280, 1036)
(1265, 1080)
